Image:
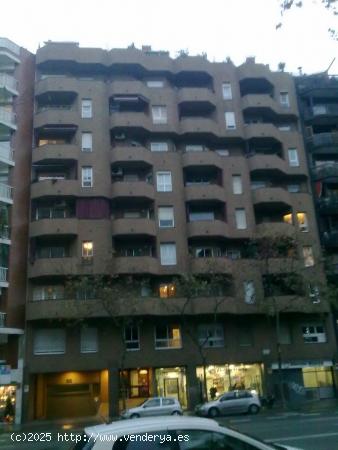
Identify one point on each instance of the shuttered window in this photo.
(89, 340)
(168, 254)
(87, 142)
(166, 216)
(50, 341)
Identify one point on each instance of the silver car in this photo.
(156, 406)
(231, 403)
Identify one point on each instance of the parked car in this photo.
(157, 406)
(171, 433)
(230, 403)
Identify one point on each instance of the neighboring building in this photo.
(154, 167)
(16, 119)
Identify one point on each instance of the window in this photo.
(164, 183)
(86, 109)
(222, 152)
(237, 187)
(257, 185)
(201, 215)
(89, 341)
(314, 293)
(249, 292)
(284, 127)
(308, 256)
(87, 249)
(287, 218)
(227, 91)
(194, 148)
(49, 341)
(284, 99)
(166, 216)
(302, 222)
(131, 338)
(167, 290)
(55, 292)
(240, 217)
(53, 251)
(168, 254)
(167, 336)
(159, 146)
(87, 142)
(293, 157)
(87, 176)
(285, 336)
(230, 121)
(155, 83)
(314, 333)
(293, 188)
(211, 335)
(159, 114)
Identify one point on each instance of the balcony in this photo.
(328, 205)
(52, 188)
(128, 88)
(323, 143)
(321, 112)
(132, 227)
(327, 170)
(206, 228)
(3, 316)
(3, 277)
(52, 267)
(271, 198)
(6, 154)
(200, 125)
(261, 163)
(211, 265)
(204, 158)
(8, 84)
(275, 229)
(7, 119)
(251, 71)
(129, 189)
(57, 85)
(330, 238)
(60, 117)
(266, 131)
(265, 101)
(6, 194)
(56, 227)
(203, 191)
(131, 154)
(55, 152)
(9, 52)
(133, 119)
(196, 99)
(135, 265)
(5, 234)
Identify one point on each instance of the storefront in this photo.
(228, 377)
(136, 385)
(7, 403)
(171, 382)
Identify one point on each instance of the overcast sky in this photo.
(220, 28)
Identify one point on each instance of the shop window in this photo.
(167, 336)
(167, 290)
(314, 334)
(317, 377)
(302, 221)
(211, 335)
(89, 340)
(132, 338)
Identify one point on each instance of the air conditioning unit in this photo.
(120, 136)
(117, 171)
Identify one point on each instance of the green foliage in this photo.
(271, 247)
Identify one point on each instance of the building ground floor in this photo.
(106, 392)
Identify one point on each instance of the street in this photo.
(312, 431)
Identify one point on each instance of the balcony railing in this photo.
(3, 274)
(8, 82)
(2, 319)
(7, 117)
(326, 170)
(9, 45)
(6, 191)
(6, 153)
(321, 110)
(4, 232)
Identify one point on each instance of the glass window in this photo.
(89, 340)
(87, 142)
(87, 176)
(164, 182)
(308, 256)
(240, 217)
(50, 341)
(86, 109)
(302, 221)
(167, 336)
(293, 188)
(87, 249)
(287, 218)
(131, 338)
(211, 335)
(293, 157)
(227, 91)
(230, 121)
(201, 215)
(159, 146)
(54, 292)
(155, 83)
(314, 333)
(166, 216)
(194, 148)
(285, 336)
(167, 290)
(314, 293)
(284, 99)
(159, 114)
(237, 187)
(249, 292)
(257, 184)
(168, 254)
(153, 403)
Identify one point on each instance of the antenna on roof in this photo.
(330, 64)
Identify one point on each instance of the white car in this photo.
(169, 433)
(156, 406)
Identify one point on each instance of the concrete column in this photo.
(113, 392)
(193, 387)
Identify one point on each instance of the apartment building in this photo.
(150, 166)
(16, 120)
